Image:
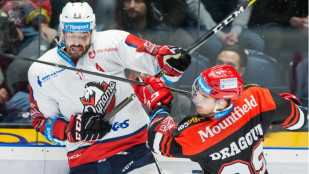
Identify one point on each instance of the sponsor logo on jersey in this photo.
(75, 156)
(117, 125)
(49, 134)
(189, 122)
(91, 54)
(99, 97)
(48, 77)
(106, 50)
(241, 144)
(76, 26)
(236, 114)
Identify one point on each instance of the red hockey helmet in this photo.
(220, 82)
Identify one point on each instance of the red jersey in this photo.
(232, 144)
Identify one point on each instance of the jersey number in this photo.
(241, 167)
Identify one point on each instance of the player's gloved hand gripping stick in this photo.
(126, 101)
(189, 50)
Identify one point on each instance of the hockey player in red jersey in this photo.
(227, 133)
(68, 107)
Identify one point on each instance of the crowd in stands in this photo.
(275, 28)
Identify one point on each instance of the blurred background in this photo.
(267, 44)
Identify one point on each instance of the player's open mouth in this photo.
(76, 50)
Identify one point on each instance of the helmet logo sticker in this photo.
(228, 83)
(77, 15)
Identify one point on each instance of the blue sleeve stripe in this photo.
(164, 78)
(167, 81)
(130, 44)
(160, 111)
(49, 129)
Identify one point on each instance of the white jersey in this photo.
(58, 93)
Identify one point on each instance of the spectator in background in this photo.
(235, 56)
(283, 24)
(157, 21)
(154, 20)
(235, 33)
(26, 17)
(25, 33)
(105, 10)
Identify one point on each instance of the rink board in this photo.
(31, 137)
(285, 153)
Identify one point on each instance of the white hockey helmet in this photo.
(76, 17)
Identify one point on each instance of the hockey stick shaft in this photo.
(194, 46)
(75, 69)
(189, 50)
(88, 72)
(127, 100)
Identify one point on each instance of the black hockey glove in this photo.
(87, 127)
(173, 60)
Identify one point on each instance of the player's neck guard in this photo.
(223, 113)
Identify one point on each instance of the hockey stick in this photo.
(87, 72)
(127, 100)
(195, 45)
(219, 26)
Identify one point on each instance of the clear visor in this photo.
(197, 95)
(77, 38)
(194, 91)
(201, 99)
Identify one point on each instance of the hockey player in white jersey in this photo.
(67, 107)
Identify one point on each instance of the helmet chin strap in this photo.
(61, 46)
(218, 102)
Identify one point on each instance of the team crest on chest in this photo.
(92, 54)
(99, 97)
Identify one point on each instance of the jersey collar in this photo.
(64, 55)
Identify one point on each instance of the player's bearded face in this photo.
(77, 43)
